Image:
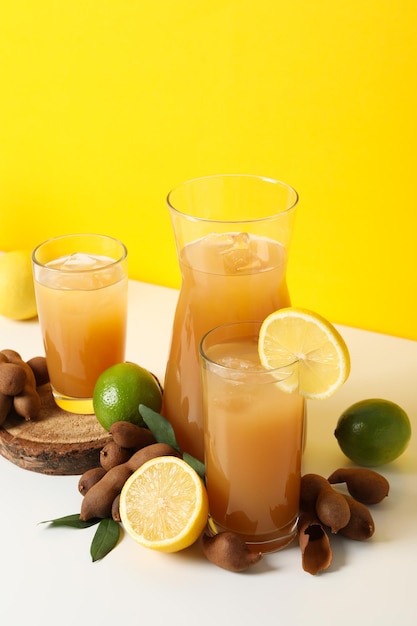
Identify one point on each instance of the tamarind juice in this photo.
(253, 434)
(227, 277)
(82, 307)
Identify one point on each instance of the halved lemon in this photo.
(309, 347)
(164, 504)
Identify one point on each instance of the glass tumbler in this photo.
(253, 434)
(81, 293)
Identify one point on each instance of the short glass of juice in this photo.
(253, 440)
(81, 285)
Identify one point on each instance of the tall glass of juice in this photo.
(81, 293)
(232, 235)
(253, 433)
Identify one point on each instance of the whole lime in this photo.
(120, 389)
(17, 292)
(373, 432)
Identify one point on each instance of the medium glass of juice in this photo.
(232, 234)
(81, 293)
(253, 440)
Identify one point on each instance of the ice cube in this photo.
(241, 256)
(221, 241)
(81, 261)
(241, 241)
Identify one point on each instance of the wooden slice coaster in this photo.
(57, 442)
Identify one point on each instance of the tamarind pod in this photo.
(361, 524)
(3, 357)
(150, 452)
(112, 454)
(115, 509)
(12, 356)
(310, 486)
(39, 368)
(12, 378)
(128, 435)
(332, 509)
(90, 478)
(5, 406)
(98, 500)
(316, 552)
(27, 403)
(229, 551)
(363, 484)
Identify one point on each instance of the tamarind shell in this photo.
(316, 552)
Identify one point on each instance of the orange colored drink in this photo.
(82, 306)
(225, 277)
(253, 441)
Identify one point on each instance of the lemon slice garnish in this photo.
(309, 347)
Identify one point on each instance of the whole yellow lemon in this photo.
(17, 293)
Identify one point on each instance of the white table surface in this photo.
(47, 577)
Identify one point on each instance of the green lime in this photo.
(373, 432)
(120, 389)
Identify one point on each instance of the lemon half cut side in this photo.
(307, 345)
(164, 505)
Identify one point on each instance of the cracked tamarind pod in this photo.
(316, 552)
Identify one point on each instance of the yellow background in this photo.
(104, 106)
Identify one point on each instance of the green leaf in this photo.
(71, 521)
(197, 465)
(105, 538)
(159, 426)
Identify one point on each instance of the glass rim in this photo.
(208, 177)
(273, 371)
(120, 259)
